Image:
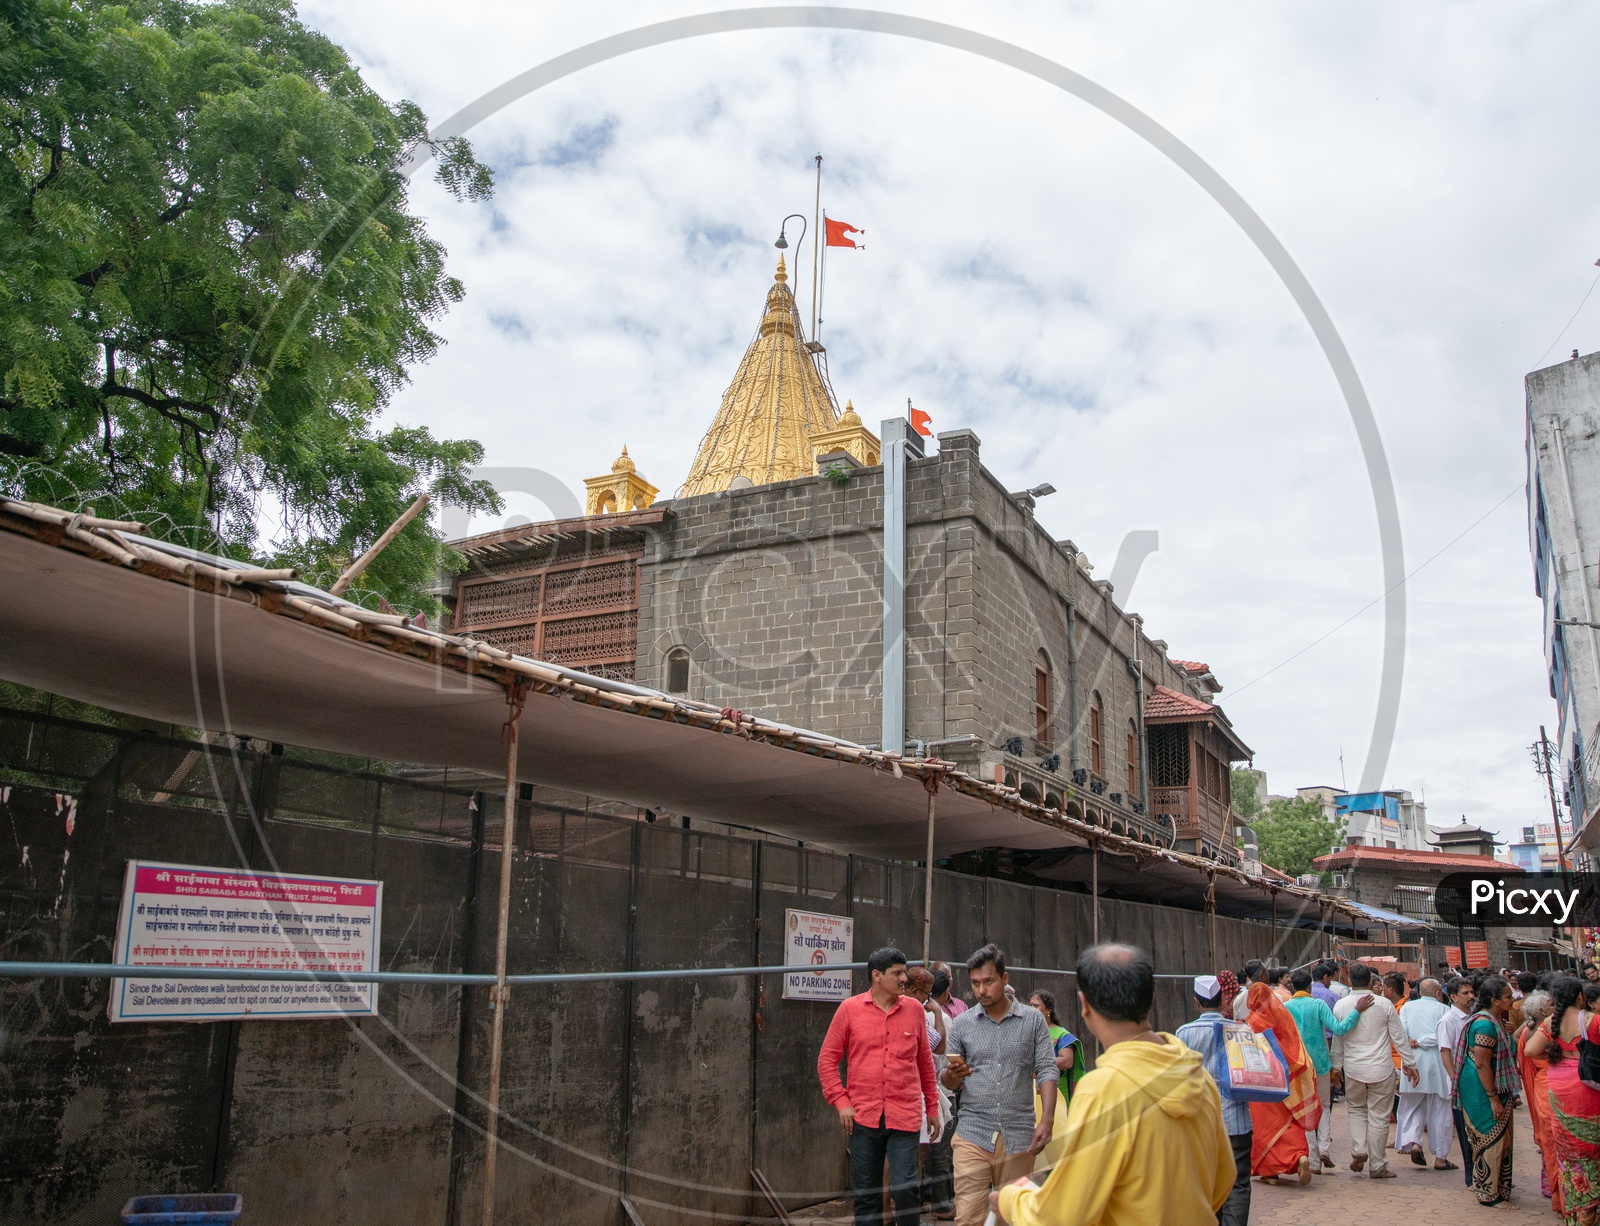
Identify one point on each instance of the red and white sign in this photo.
(181, 915)
(1477, 955)
(818, 941)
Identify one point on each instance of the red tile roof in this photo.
(1192, 666)
(1401, 855)
(1169, 704)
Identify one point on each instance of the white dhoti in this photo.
(1419, 1112)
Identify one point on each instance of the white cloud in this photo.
(1035, 272)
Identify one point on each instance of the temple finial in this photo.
(781, 275)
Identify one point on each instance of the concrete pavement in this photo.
(1417, 1195)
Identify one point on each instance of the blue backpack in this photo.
(1248, 1067)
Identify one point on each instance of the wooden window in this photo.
(1097, 740)
(677, 671)
(1133, 761)
(1041, 701)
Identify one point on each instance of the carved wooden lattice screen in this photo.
(583, 613)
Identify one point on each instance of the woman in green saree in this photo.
(1486, 1090)
(1069, 1051)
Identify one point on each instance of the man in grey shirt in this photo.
(998, 1053)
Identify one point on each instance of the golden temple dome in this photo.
(851, 418)
(622, 464)
(778, 399)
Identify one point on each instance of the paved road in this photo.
(1345, 1198)
(1342, 1198)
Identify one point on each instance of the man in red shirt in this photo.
(882, 1038)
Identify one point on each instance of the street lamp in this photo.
(1040, 490)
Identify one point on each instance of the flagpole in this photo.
(816, 228)
(816, 326)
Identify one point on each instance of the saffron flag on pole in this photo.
(920, 421)
(837, 232)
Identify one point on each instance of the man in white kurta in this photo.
(1426, 1105)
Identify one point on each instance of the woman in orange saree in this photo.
(1535, 1072)
(1278, 1146)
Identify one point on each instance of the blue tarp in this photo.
(1386, 917)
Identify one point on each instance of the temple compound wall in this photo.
(1020, 665)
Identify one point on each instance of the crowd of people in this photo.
(964, 1106)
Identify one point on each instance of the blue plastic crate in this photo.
(192, 1209)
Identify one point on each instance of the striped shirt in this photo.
(1007, 1058)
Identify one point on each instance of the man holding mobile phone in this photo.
(998, 1053)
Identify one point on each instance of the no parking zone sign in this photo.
(817, 942)
(180, 915)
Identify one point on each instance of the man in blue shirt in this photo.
(1313, 1018)
(1322, 982)
(1203, 1036)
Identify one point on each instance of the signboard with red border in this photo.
(183, 915)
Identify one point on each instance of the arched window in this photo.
(1097, 735)
(1133, 760)
(1041, 700)
(677, 671)
(608, 503)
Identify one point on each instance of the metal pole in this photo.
(501, 993)
(818, 239)
(1273, 932)
(927, 891)
(895, 437)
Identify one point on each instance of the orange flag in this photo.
(920, 422)
(837, 230)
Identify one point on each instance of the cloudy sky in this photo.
(1037, 273)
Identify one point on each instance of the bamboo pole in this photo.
(1094, 887)
(501, 993)
(927, 891)
(389, 533)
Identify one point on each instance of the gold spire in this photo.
(622, 464)
(778, 399)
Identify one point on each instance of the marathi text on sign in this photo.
(176, 915)
(819, 942)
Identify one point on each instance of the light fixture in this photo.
(1041, 490)
(783, 242)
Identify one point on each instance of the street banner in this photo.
(817, 941)
(182, 915)
(1477, 955)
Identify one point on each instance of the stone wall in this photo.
(776, 593)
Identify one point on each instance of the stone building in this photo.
(760, 587)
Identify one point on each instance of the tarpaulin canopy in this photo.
(96, 612)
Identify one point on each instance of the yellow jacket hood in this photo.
(1168, 1071)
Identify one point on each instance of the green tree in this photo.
(1246, 800)
(212, 286)
(1293, 833)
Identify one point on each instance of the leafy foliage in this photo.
(212, 285)
(1293, 833)
(1246, 799)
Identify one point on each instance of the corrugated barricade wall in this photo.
(668, 1092)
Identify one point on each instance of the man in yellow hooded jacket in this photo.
(1145, 1144)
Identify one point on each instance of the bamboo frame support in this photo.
(389, 533)
(501, 992)
(927, 891)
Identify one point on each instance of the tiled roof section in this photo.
(1405, 856)
(1169, 704)
(1192, 666)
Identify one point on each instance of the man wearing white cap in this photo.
(1204, 1036)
